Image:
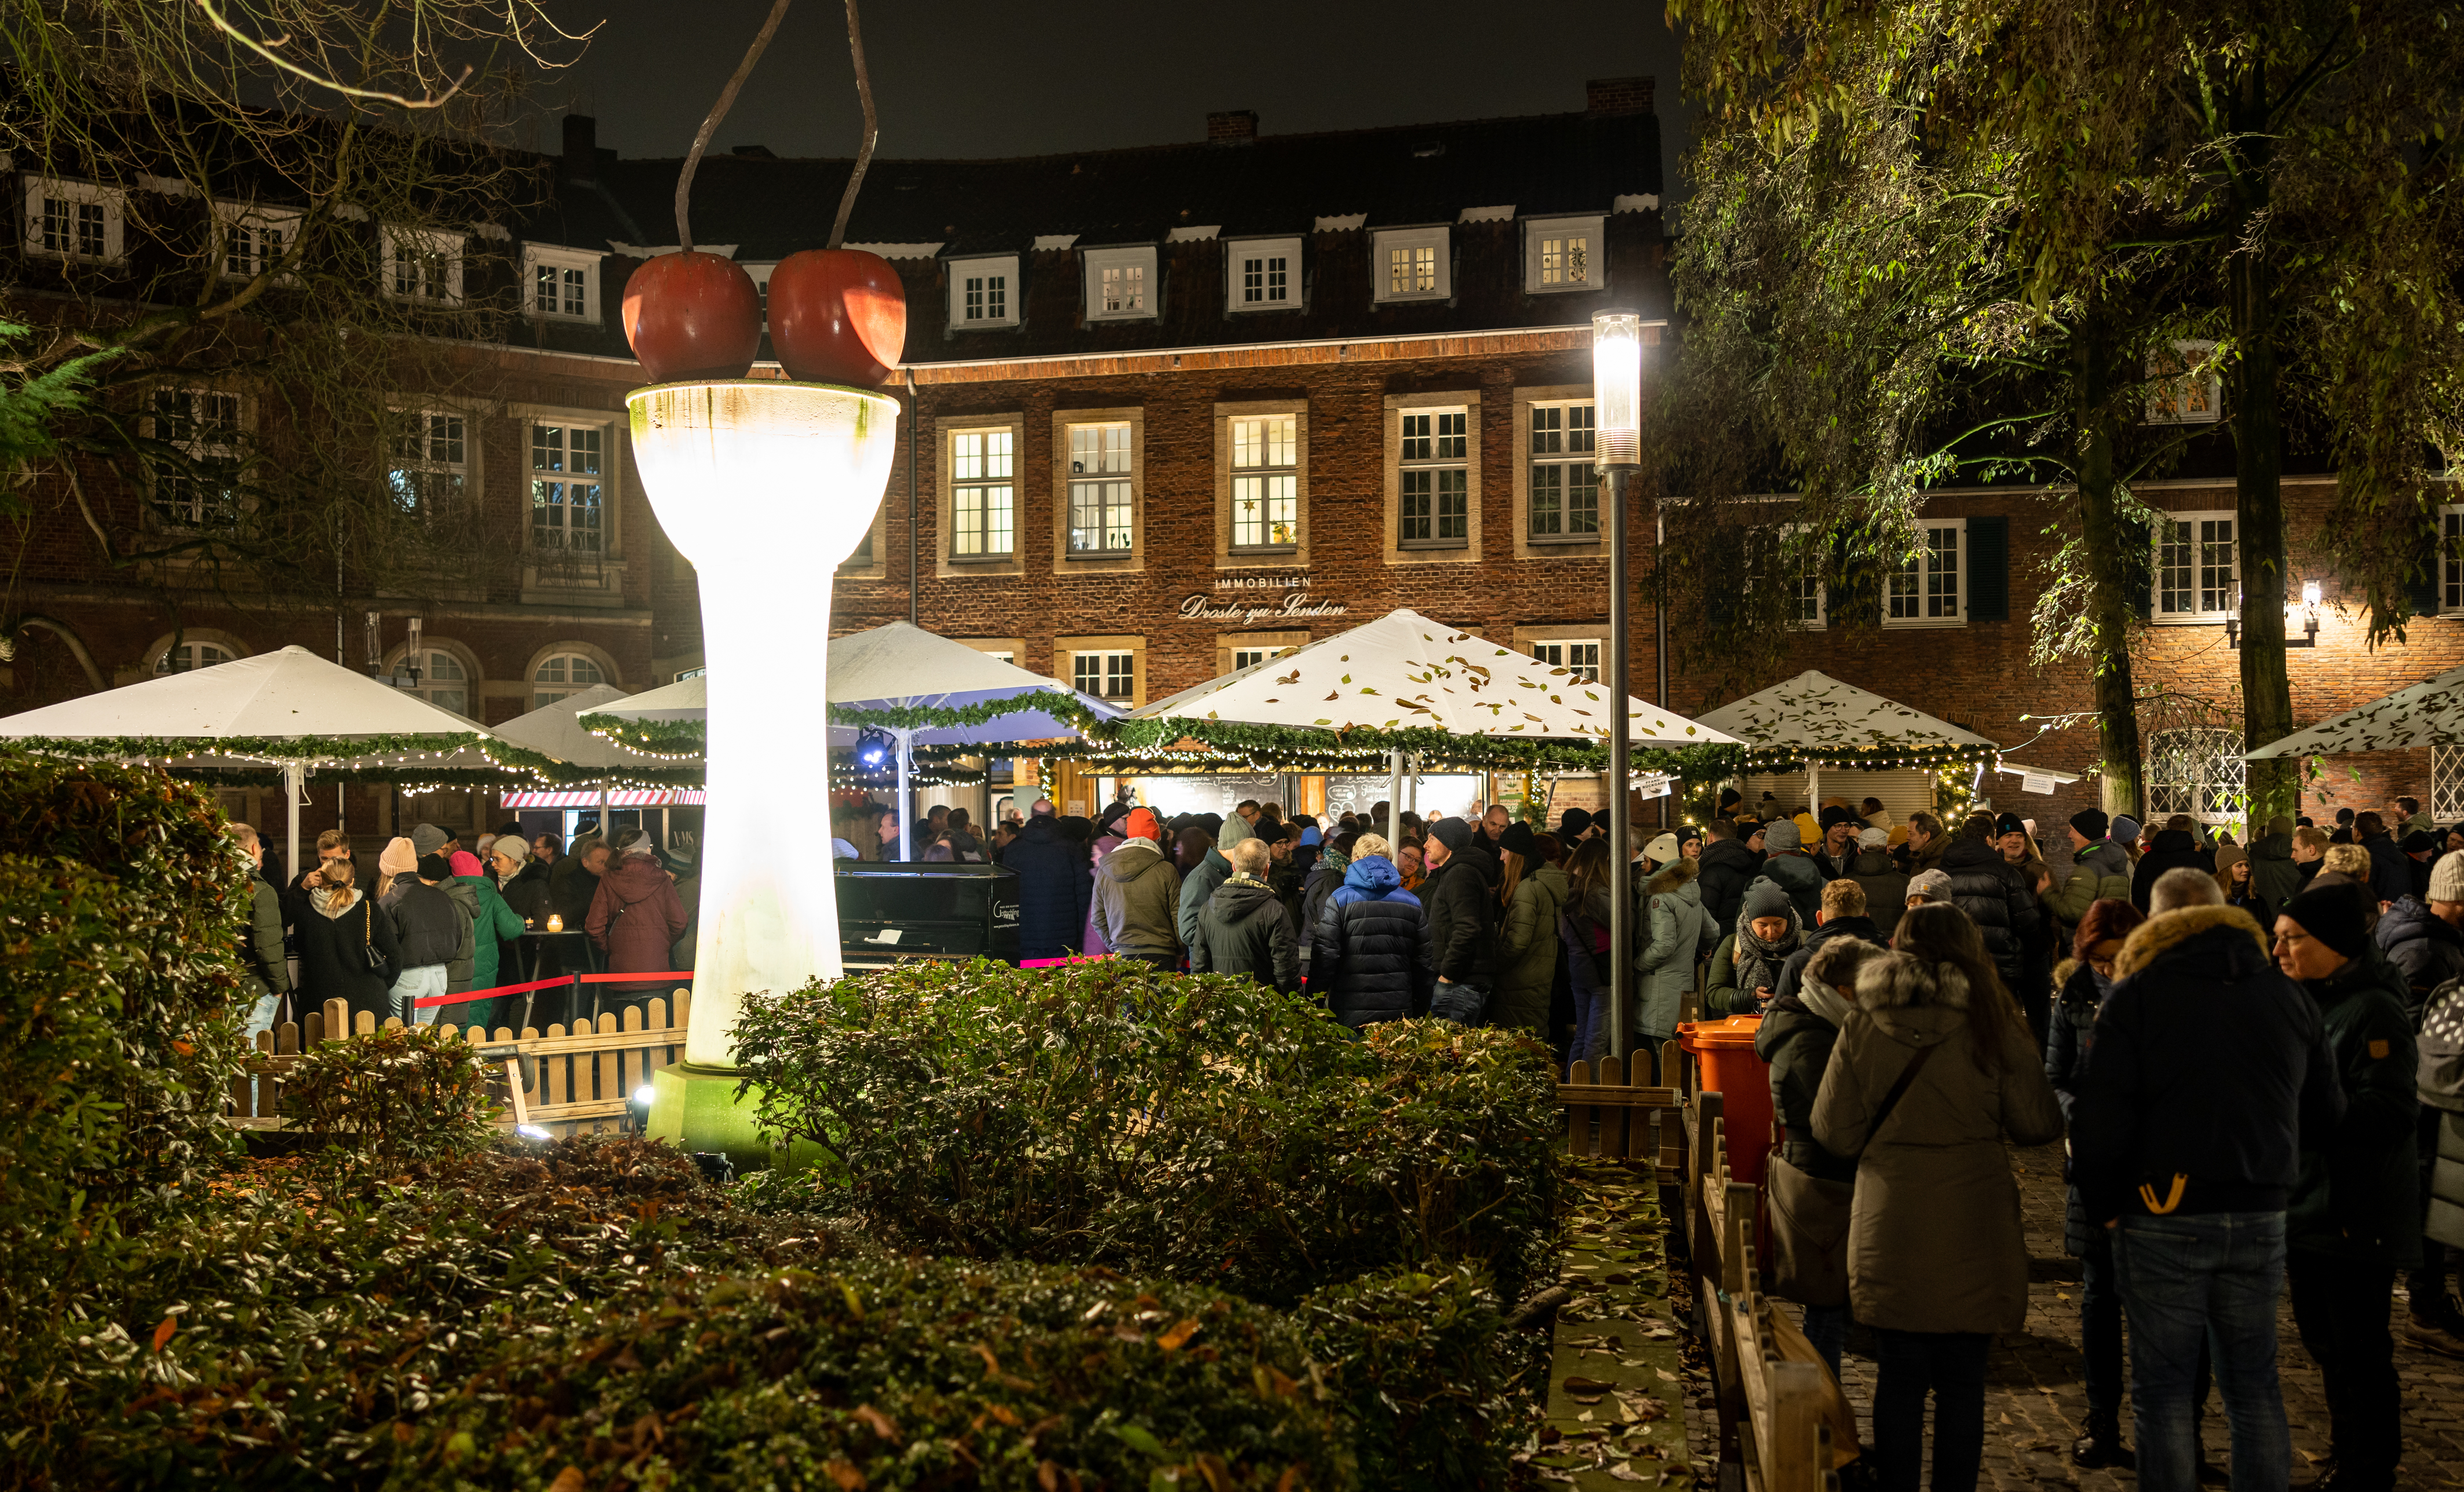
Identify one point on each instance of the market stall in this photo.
(1813, 737)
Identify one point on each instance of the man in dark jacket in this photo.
(433, 931)
(2207, 1068)
(263, 961)
(2390, 873)
(2174, 848)
(1845, 912)
(1244, 928)
(1210, 871)
(2273, 874)
(1373, 959)
(2426, 942)
(1840, 827)
(2355, 1214)
(1791, 868)
(2002, 905)
(1460, 895)
(573, 882)
(1885, 884)
(1054, 887)
(1728, 869)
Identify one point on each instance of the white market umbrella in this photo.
(2428, 713)
(291, 696)
(1404, 671)
(554, 730)
(1819, 721)
(686, 699)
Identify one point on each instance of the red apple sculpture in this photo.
(692, 318)
(837, 316)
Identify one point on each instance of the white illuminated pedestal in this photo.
(766, 486)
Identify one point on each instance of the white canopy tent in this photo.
(288, 696)
(554, 730)
(2427, 713)
(1822, 721)
(1404, 671)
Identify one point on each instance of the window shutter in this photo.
(2137, 567)
(1989, 569)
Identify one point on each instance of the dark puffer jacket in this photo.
(1793, 871)
(2428, 951)
(1055, 886)
(2002, 905)
(2174, 849)
(1243, 929)
(1728, 867)
(1373, 960)
(1797, 1042)
(1461, 897)
(2067, 1044)
(2359, 1194)
(2272, 870)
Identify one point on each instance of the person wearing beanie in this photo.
(1928, 885)
(2210, 1069)
(1838, 851)
(1728, 867)
(1662, 849)
(426, 839)
(2274, 876)
(635, 919)
(1137, 896)
(1787, 864)
(519, 880)
(1879, 877)
(2234, 873)
(2354, 1218)
(1746, 967)
(2126, 833)
(431, 928)
(1461, 897)
(2424, 939)
(1533, 892)
(2002, 900)
(397, 859)
(2420, 848)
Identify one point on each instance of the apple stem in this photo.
(871, 128)
(719, 112)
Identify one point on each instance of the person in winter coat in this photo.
(2174, 848)
(1728, 866)
(1096, 845)
(2425, 944)
(263, 964)
(636, 917)
(1844, 914)
(1791, 868)
(433, 928)
(1839, 826)
(494, 925)
(2004, 907)
(2434, 1322)
(1137, 896)
(339, 924)
(2354, 1218)
(1203, 869)
(437, 870)
(2099, 870)
(1054, 888)
(1242, 928)
(2273, 874)
(1460, 897)
(1936, 1263)
(1746, 967)
(2234, 883)
(518, 879)
(1528, 945)
(1583, 928)
(2390, 873)
(573, 882)
(1325, 878)
(1885, 884)
(1374, 960)
(1675, 926)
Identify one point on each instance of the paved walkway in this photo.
(2034, 1403)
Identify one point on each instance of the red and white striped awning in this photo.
(628, 798)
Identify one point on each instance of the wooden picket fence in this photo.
(1609, 1112)
(570, 1082)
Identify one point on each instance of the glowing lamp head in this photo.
(1616, 387)
(2310, 594)
(872, 747)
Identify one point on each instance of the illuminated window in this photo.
(1266, 481)
(2197, 568)
(1561, 255)
(430, 460)
(1120, 283)
(982, 497)
(2177, 395)
(1580, 657)
(2197, 771)
(563, 283)
(1435, 479)
(1925, 590)
(1565, 485)
(561, 674)
(1107, 675)
(984, 293)
(1410, 264)
(566, 512)
(1100, 499)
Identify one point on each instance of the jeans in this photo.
(414, 985)
(1951, 1366)
(1826, 1327)
(1591, 1024)
(261, 1016)
(2101, 1335)
(2340, 1306)
(2203, 1279)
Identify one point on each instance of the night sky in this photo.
(969, 79)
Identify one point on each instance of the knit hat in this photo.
(464, 863)
(2335, 915)
(2419, 840)
(2447, 877)
(1452, 833)
(511, 846)
(1934, 886)
(1766, 899)
(2009, 823)
(1142, 824)
(1311, 835)
(1661, 850)
(1871, 837)
(1782, 834)
(1688, 832)
(1897, 836)
(635, 842)
(1235, 830)
(2092, 823)
(1519, 837)
(1573, 825)
(2228, 856)
(2281, 823)
(434, 868)
(398, 858)
(426, 839)
(2125, 828)
(1836, 813)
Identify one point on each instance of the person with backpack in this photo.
(1242, 928)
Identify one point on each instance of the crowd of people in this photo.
(440, 920)
(2255, 1053)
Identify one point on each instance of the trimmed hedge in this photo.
(397, 1094)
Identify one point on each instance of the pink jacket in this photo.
(636, 917)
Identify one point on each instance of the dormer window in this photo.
(984, 292)
(1412, 264)
(1262, 274)
(423, 266)
(251, 240)
(1562, 254)
(77, 221)
(560, 284)
(1121, 284)
(2180, 390)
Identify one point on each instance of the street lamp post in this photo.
(1617, 416)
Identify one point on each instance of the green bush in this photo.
(1420, 1366)
(1204, 1128)
(397, 1094)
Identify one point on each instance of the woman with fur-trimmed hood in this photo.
(1936, 1263)
(1677, 922)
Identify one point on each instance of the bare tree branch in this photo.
(719, 112)
(871, 128)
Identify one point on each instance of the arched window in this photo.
(564, 673)
(2197, 769)
(193, 655)
(443, 681)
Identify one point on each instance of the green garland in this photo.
(687, 737)
(272, 748)
(1876, 759)
(1300, 748)
(510, 766)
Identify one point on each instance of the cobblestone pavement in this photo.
(2034, 1402)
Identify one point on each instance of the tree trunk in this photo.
(2259, 465)
(2110, 575)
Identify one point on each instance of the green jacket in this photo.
(2098, 872)
(1526, 952)
(496, 923)
(2358, 1195)
(267, 967)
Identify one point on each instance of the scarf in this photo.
(1245, 878)
(1758, 962)
(1823, 1000)
(332, 901)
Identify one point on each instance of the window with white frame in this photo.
(2197, 769)
(441, 680)
(2180, 390)
(196, 485)
(1101, 503)
(1561, 255)
(1809, 601)
(250, 240)
(1266, 481)
(984, 494)
(423, 266)
(1927, 588)
(2451, 563)
(1577, 656)
(1410, 264)
(78, 222)
(1120, 283)
(759, 275)
(567, 509)
(1434, 479)
(1106, 675)
(1263, 274)
(430, 462)
(2447, 784)
(984, 293)
(1245, 657)
(183, 657)
(560, 284)
(2198, 568)
(1564, 498)
(564, 674)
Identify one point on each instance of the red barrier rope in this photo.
(492, 991)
